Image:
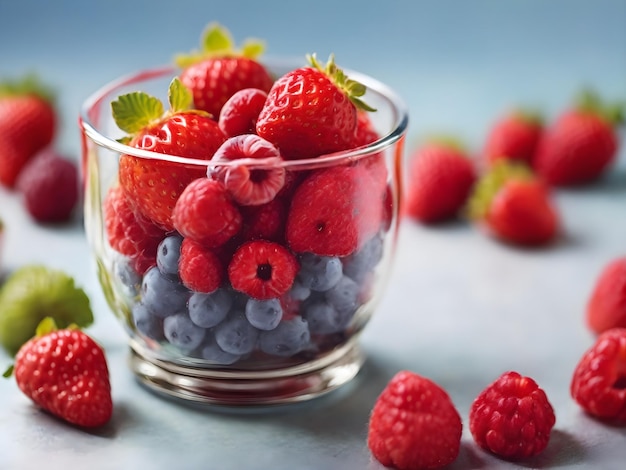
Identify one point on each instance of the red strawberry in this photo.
(440, 178)
(414, 425)
(262, 269)
(598, 380)
(606, 307)
(312, 111)
(334, 211)
(129, 233)
(581, 145)
(27, 125)
(76, 384)
(514, 136)
(49, 186)
(512, 417)
(200, 269)
(247, 185)
(153, 186)
(218, 71)
(205, 213)
(515, 206)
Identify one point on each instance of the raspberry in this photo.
(49, 185)
(130, 233)
(512, 417)
(249, 186)
(262, 269)
(205, 213)
(599, 380)
(333, 212)
(266, 221)
(200, 269)
(239, 114)
(414, 424)
(606, 307)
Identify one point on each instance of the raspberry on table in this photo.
(512, 417)
(262, 269)
(599, 380)
(414, 424)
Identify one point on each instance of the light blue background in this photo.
(460, 307)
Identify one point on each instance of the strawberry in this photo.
(581, 144)
(76, 385)
(312, 111)
(606, 307)
(440, 178)
(218, 71)
(513, 136)
(27, 125)
(514, 205)
(153, 186)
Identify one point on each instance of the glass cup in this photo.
(310, 345)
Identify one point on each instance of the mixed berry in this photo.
(248, 258)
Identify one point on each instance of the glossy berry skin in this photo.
(49, 187)
(288, 338)
(306, 115)
(522, 213)
(514, 137)
(214, 80)
(76, 386)
(27, 125)
(414, 425)
(262, 269)
(239, 114)
(606, 306)
(153, 186)
(598, 382)
(577, 149)
(206, 213)
(440, 178)
(512, 417)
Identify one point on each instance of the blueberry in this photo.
(126, 274)
(319, 273)
(146, 322)
(161, 295)
(181, 332)
(359, 264)
(344, 296)
(236, 335)
(298, 291)
(207, 310)
(211, 351)
(324, 319)
(168, 253)
(264, 314)
(288, 338)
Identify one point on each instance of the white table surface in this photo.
(460, 307)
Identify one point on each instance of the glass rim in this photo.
(398, 106)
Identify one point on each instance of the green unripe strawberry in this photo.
(34, 292)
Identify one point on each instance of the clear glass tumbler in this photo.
(225, 347)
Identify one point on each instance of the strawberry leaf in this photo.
(252, 48)
(45, 326)
(179, 96)
(135, 111)
(9, 372)
(217, 39)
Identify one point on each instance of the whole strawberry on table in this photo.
(241, 261)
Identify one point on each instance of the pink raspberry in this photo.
(414, 424)
(266, 221)
(239, 114)
(205, 213)
(262, 269)
(249, 185)
(130, 233)
(599, 380)
(512, 417)
(200, 269)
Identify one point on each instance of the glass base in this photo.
(247, 388)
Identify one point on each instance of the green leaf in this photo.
(216, 38)
(45, 326)
(30, 84)
(33, 293)
(252, 48)
(134, 111)
(179, 96)
(9, 372)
